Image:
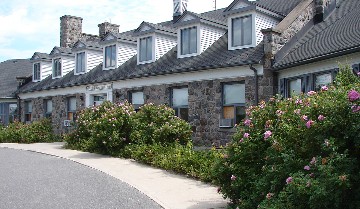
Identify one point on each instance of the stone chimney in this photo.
(180, 6)
(70, 30)
(106, 27)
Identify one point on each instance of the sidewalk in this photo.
(168, 190)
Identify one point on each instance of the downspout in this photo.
(18, 108)
(256, 85)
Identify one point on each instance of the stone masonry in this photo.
(70, 30)
(106, 27)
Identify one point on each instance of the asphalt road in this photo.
(31, 180)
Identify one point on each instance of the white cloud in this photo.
(35, 25)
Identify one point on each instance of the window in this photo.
(179, 102)
(322, 80)
(189, 41)
(48, 108)
(137, 99)
(242, 31)
(99, 99)
(110, 56)
(36, 75)
(145, 49)
(80, 62)
(294, 87)
(233, 103)
(28, 111)
(71, 108)
(57, 68)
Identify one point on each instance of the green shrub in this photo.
(158, 124)
(301, 152)
(37, 131)
(176, 157)
(104, 129)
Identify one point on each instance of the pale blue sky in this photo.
(29, 26)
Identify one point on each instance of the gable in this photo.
(240, 5)
(110, 37)
(144, 28)
(188, 17)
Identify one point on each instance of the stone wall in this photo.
(106, 27)
(70, 30)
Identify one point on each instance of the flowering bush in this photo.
(158, 124)
(37, 131)
(301, 152)
(104, 129)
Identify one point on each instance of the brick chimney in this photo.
(180, 6)
(70, 30)
(106, 27)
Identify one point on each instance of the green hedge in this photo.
(301, 152)
(37, 131)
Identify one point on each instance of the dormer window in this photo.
(80, 63)
(57, 68)
(110, 56)
(36, 73)
(189, 41)
(242, 31)
(146, 52)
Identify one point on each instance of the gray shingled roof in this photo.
(216, 56)
(281, 7)
(338, 34)
(9, 70)
(42, 56)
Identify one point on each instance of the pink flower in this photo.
(326, 142)
(289, 180)
(279, 112)
(269, 195)
(307, 168)
(298, 101)
(297, 111)
(324, 88)
(355, 108)
(304, 117)
(246, 135)
(310, 93)
(309, 123)
(313, 161)
(241, 140)
(267, 134)
(353, 95)
(247, 122)
(233, 178)
(358, 73)
(321, 118)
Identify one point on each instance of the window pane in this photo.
(185, 41)
(28, 107)
(48, 106)
(247, 29)
(184, 114)
(137, 98)
(240, 113)
(193, 40)
(229, 112)
(149, 49)
(12, 109)
(72, 104)
(180, 97)
(142, 49)
(107, 56)
(36, 71)
(322, 80)
(236, 32)
(99, 99)
(113, 55)
(234, 94)
(83, 62)
(295, 87)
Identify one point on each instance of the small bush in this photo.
(176, 157)
(103, 129)
(158, 124)
(301, 152)
(37, 131)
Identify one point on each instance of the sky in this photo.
(29, 26)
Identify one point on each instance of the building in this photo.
(209, 67)
(13, 73)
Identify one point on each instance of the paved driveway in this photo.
(32, 180)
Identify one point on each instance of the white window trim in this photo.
(37, 80)
(52, 69)
(86, 63)
(153, 49)
(198, 41)
(253, 17)
(116, 58)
